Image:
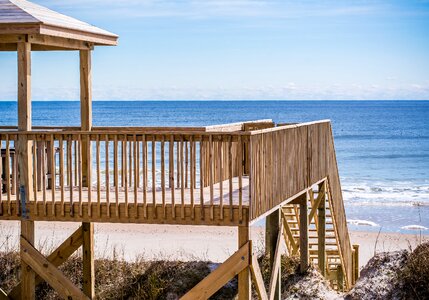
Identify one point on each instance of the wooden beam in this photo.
(56, 258)
(274, 291)
(3, 295)
(290, 238)
(303, 235)
(244, 280)
(55, 278)
(321, 230)
(11, 38)
(85, 111)
(133, 217)
(8, 47)
(272, 230)
(221, 276)
(258, 281)
(320, 197)
(59, 42)
(88, 260)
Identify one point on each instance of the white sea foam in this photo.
(362, 223)
(394, 193)
(414, 227)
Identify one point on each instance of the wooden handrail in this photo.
(287, 160)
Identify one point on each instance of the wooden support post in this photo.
(28, 277)
(272, 229)
(321, 231)
(303, 234)
(25, 161)
(85, 111)
(355, 263)
(340, 278)
(88, 260)
(244, 280)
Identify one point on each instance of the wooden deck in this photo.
(221, 210)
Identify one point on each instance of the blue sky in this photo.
(243, 49)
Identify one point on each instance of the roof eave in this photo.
(49, 30)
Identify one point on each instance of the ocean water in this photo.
(382, 146)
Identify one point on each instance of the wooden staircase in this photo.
(319, 210)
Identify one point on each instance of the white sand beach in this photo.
(131, 241)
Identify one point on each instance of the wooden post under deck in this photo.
(244, 280)
(25, 161)
(272, 229)
(321, 231)
(303, 234)
(88, 260)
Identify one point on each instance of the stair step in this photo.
(327, 244)
(327, 230)
(328, 252)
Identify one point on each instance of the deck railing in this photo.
(217, 173)
(141, 167)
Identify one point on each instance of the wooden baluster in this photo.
(171, 173)
(186, 164)
(88, 165)
(163, 176)
(69, 170)
(97, 155)
(44, 176)
(7, 179)
(202, 170)
(144, 160)
(53, 171)
(240, 179)
(76, 168)
(115, 170)
(230, 178)
(178, 163)
(130, 164)
(138, 162)
(107, 176)
(182, 178)
(154, 176)
(136, 174)
(123, 162)
(211, 176)
(34, 157)
(192, 175)
(61, 145)
(125, 170)
(220, 171)
(79, 155)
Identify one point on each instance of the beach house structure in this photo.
(222, 175)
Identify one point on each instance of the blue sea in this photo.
(382, 146)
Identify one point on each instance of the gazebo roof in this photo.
(21, 17)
